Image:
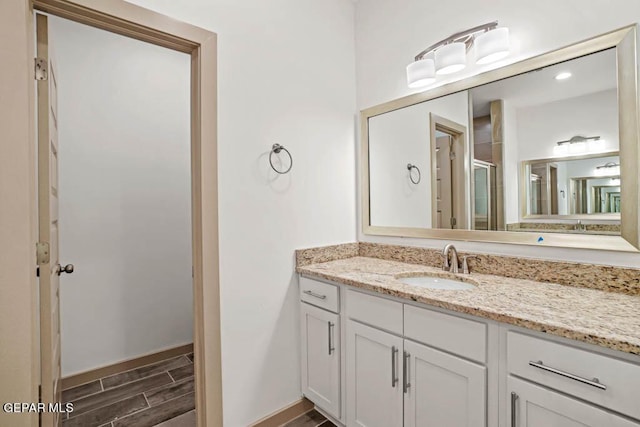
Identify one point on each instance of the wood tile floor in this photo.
(160, 394)
(312, 418)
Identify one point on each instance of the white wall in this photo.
(400, 137)
(541, 126)
(286, 75)
(389, 34)
(124, 196)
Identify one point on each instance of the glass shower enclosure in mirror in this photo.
(545, 150)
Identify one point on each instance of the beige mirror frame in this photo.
(624, 40)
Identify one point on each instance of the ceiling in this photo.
(590, 74)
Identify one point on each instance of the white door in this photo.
(536, 406)
(374, 383)
(321, 358)
(442, 390)
(48, 261)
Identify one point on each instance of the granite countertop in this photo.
(606, 319)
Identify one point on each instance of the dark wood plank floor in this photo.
(312, 418)
(160, 394)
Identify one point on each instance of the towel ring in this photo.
(277, 148)
(409, 168)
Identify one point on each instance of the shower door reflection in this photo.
(484, 216)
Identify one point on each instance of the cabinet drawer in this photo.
(573, 371)
(375, 311)
(320, 294)
(463, 337)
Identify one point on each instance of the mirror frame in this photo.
(624, 40)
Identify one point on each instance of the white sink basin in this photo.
(431, 282)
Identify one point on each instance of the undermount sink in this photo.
(431, 282)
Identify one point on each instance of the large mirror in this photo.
(526, 154)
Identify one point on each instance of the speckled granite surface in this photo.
(601, 277)
(606, 319)
(326, 253)
(555, 227)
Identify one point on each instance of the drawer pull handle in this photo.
(331, 347)
(394, 373)
(593, 383)
(405, 371)
(313, 294)
(514, 406)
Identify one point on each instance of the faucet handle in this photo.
(465, 263)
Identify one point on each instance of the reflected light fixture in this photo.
(563, 76)
(450, 55)
(608, 169)
(579, 145)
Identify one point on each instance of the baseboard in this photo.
(285, 414)
(125, 365)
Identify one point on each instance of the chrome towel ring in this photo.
(409, 168)
(277, 148)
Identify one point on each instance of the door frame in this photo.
(460, 172)
(19, 332)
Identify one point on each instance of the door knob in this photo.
(66, 269)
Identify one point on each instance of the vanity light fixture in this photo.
(563, 76)
(579, 145)
(608, 169)
(450, 55)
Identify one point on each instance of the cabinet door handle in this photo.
(331, 347)
(593, 383)
(313, 294)
(405, 372)
(514, 405)
(394, 373)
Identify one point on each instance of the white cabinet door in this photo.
(374, 377)
(442, 390)
(321, 358)
(536, 406)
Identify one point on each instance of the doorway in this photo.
(122, 163)
(127, 19)
(448, 189)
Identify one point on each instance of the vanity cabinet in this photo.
(321, 346)
(374, 377)
(442, 390)
(539, 370)
(376, 361)
(536, 406)
(395, 381)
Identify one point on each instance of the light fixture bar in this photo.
(608, 165)
(465, 37)
(578, 139)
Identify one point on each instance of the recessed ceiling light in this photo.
(563, 76)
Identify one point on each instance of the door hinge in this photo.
(452, 155)
(453, 221)
(41, 69)
(42, 253)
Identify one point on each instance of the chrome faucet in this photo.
(453, 265)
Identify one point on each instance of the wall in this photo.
(541, 126)
(400, 137)
(125, 217)
(286, 75)
(389, 34)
